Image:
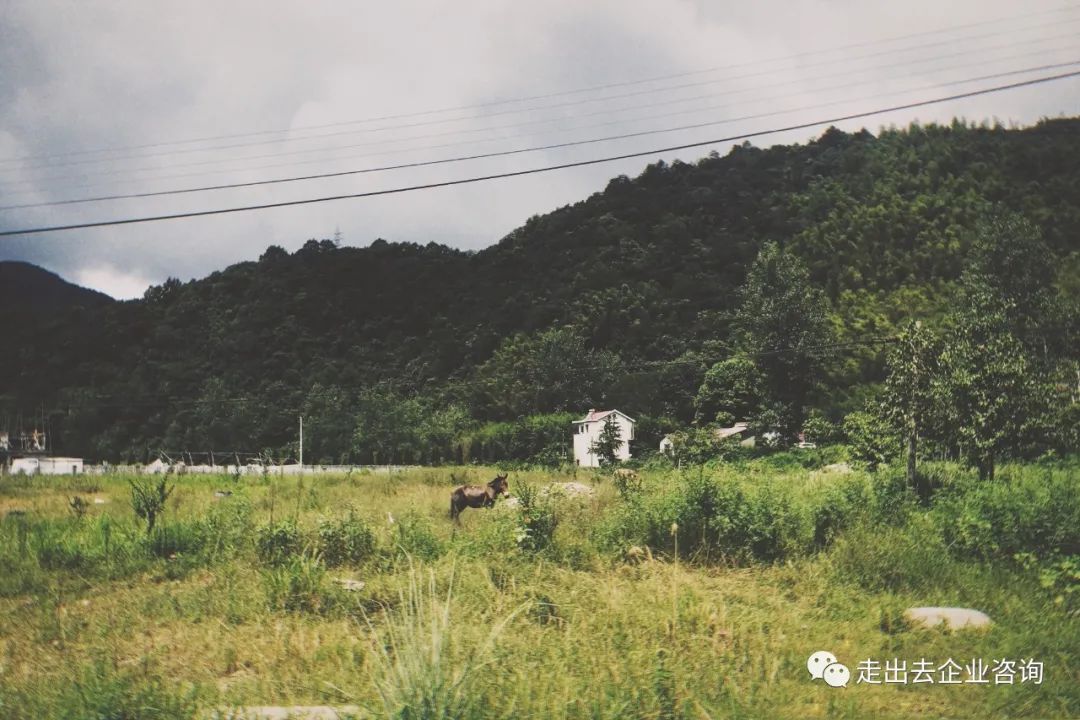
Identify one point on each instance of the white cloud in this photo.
(115, 283)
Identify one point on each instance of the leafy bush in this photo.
(1059, 576)
(1024, 510)
(872, 441)
(713, 515)
(628, 484)
(348, 540)
(837, 505)
(279, 542)
(697, 446)
(415, 538)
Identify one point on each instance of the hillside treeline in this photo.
(767, 284)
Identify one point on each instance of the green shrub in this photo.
(415, 538)
(1058, 575)
(1023, 510)
(836, 506)
(279, 542)
(345, 541)
(628, 485)
(872, 441)
(713, 515)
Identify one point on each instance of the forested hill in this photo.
(624, 299)
(34, 290)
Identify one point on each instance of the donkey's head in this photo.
(499, 485)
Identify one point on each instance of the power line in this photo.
(544, 96)
(844, 85)
(532, 171)
(517, 151)
(574, 103)
(492, 128)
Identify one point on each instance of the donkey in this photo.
(475, 496)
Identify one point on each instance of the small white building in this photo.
(587, 432)
(47, 466)
(738, 430)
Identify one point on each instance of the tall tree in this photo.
(781, 323)
(553, 370)
(731, 391)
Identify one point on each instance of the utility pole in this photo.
(301, 443)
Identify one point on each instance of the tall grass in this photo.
(224, 603)
(421, 671)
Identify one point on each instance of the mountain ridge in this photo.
(646, 272)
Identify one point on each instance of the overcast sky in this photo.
(118, 76)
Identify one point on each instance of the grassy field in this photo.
(697, 593)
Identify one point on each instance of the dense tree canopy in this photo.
(625, 299)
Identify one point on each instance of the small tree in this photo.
(606, 447)
(910, 397)
(78, 506)
(148, 499)
(870, 438)
(987, 379)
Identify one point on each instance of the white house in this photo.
(587, 432)
(46, 466)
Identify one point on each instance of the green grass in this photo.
(541, 611)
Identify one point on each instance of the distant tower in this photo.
(337, 236)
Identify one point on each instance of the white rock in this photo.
(569, 489)
(350, 585)
(953, 617)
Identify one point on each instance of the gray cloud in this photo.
(77, 76)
